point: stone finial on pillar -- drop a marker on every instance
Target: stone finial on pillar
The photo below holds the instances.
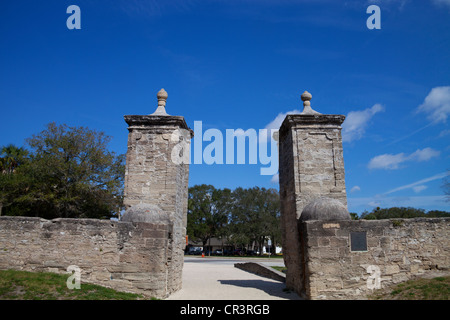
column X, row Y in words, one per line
column 311, row 166
column 162, row 97
column 156, row 185
column 306, row 98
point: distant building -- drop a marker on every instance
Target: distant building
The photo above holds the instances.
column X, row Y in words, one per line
column 219, row 246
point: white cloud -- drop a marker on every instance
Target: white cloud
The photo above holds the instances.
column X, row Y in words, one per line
column 409, row 134
column 444, row 133
column 374, row 204
column 353, row 128
column 387, row 161
column 400, row 4
column 420, row 188
column 275, row 124
column 393, row 161
column 424, row 154
column 436, row 104
column 442, row 2
column 355, row 189
column 356, row 122
column 389, row 3
column 419, row 183
column 275, row 178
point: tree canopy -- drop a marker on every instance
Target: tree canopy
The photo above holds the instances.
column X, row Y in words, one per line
column 68, row 172
column 402, row 212
column 207, row 212
column 241, row 216
column 11, row 157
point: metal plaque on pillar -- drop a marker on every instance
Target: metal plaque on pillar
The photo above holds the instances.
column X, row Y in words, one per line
column 358, row 241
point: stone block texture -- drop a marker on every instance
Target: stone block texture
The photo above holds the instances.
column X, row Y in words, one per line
column 400, row 249
column 153, row 177
column 311, row 166
column 126, row 256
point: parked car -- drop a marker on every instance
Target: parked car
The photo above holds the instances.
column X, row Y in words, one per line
column 238, row 252
column 252, row 253
column 195, row 251
column 218, row 252
column 227, row 252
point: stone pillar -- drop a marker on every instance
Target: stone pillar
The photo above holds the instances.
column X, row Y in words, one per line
column 156, row 174
column 311, row 166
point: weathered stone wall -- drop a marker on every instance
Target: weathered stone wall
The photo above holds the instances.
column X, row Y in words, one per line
column 126, row 256
column 311, row 166
column 144, row 252
column 157, row 173
column 151, row 176
column 318, row 254
column 288, row 219
column 400, row 248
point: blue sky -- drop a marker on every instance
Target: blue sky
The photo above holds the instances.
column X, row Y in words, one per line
column 244, row 64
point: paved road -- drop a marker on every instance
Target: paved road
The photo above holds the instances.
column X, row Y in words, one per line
column 213, row 278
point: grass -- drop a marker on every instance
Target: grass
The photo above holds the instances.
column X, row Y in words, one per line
column 23, row 285
column 281, row 269
column 420, row 289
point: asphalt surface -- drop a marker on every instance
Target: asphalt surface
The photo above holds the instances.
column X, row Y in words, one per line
column 215, row 278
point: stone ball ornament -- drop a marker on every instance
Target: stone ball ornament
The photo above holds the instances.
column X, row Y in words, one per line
column 144, row 212
column 325, row 209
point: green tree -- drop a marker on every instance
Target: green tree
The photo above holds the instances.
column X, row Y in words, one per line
column 223, row 204
column 242, row 216
column 207, row 212
column 401, row 212
column 354, row 216
column 70, row 173
column 256, row 216
column 11, row 157
column 437, row 214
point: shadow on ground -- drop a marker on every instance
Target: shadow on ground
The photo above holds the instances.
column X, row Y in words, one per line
column 277, row 289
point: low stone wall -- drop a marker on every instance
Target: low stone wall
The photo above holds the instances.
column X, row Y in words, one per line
column 126, row 256
column 261, row 270
column 388, row 251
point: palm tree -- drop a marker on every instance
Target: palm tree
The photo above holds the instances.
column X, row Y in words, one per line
column 11, row 157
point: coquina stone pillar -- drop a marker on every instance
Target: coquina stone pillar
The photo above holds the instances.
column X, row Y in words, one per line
column 311, row 166
column 156, row 174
